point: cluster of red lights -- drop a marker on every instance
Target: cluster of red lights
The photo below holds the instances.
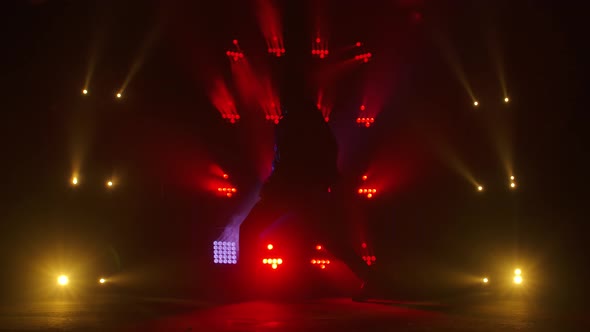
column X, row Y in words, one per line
column 321, row 53
column 322, row 263
column 318, row 49
column 273, row 262
column 235, row 55
column 369, row 259
column 228, row 191
column 273, row 117
column 368, row 192
column 276, row 51
column 364, row 57
column 366, row 121
column 276, row 47
column 231, row 117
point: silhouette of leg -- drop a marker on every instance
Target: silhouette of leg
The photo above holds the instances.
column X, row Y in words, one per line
column 331, row 215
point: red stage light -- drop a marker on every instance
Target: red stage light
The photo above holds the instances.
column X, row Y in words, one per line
column 269, row 246
column 235, row 55
column 364, row 57
column 228, row 191
column 225, row 176
column 358, row 44
column 277, row 51
column 362, row 107
column 364, row 245
column 366, row 121
column 322, row 263
column 273, row 262
column 368, row 192
column 319, row 49
column 364, row 178
column 318, row 247
column 274, row 118
column 321, row 53
column 235, row 41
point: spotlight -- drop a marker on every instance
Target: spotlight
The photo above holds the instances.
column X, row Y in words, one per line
column 119, row 95
column 512, row 185
column 225, row 252
column 84, row 92
column 269, row 246
column 318, row 247
column 518, row 272
column 225, row 176
column 479, row 188
column 110, row 184
column 506, row 100
column 485, row 280
column 512, row 178
column 518, row 280
column 75, row 181
column 476, row 103
column 63, row 280
column 102, row 280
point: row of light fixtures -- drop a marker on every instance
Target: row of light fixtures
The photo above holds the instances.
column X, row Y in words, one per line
column 75, row 182
column 118, row 95
column 512, row 184
column 506, row 101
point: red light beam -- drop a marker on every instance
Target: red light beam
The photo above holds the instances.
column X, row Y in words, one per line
column 270, row 25
column 223, row 101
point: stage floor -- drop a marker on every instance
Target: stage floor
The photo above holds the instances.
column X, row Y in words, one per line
column 126, row 313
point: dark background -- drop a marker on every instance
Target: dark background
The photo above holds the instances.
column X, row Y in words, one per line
column 163, row 137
